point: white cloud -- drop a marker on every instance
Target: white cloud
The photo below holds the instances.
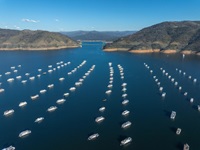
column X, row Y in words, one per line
column 30, row 20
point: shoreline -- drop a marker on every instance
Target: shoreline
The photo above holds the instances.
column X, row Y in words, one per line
column 168, row 51
column 38, row 49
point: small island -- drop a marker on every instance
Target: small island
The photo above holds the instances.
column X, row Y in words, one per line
column 34, row 40
column 167, row 37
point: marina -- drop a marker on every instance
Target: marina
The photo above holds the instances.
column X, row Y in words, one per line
column 94, row 90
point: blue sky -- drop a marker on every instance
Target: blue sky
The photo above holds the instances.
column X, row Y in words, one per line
column 101, row 15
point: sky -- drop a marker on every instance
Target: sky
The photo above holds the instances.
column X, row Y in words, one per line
column 100, row 15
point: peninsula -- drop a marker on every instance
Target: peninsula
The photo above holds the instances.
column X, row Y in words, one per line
column 34, row 40
column 166, row 37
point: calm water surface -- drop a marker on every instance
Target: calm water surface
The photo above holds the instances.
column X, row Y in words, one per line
column 69, row 126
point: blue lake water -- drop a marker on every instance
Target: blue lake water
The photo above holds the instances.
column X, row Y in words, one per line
column 70, row 125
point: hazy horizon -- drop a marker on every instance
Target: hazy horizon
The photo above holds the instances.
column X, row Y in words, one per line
column 99, row 15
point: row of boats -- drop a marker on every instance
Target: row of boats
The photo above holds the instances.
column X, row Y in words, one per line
column 125, row 101
column 25, row 133
column 124, row 113
column 22, row 104
column 173, row 113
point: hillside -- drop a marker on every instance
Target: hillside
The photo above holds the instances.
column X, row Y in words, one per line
column 97, row 35
column 167, row 37
column 33, row 40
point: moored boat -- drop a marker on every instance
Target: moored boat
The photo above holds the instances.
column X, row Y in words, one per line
column 38, row 120
column 9, row 148
column 93, row 136
column 173, row 115
column 125, row 112
column 8, row 112
column 126, row 141
column 186, row 147
column 126, row 124
column 60, row 101
column 25, row 133
column 52, row 108
column 22, row 104
column 99, row 119
column 178, row 131
column 124, row 102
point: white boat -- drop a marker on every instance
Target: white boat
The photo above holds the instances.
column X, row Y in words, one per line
column 52, row 108
column 50, row 71
column 124, row 84
column 60, row 101
column 15, row 71
column 124, row 89
column 186, row 147
column 61, row 79
column 25, row 133
column 102, row 109
column 126, row 141
column 2, row 90
column 40, row 119
column 69, row 73
column 13, row 67
column 198, row 107
column 163, row 94
column 32, row 78
column 72, row 89
column 27, row 74
column 110, row 64
column 78, row 83
column 191, row 100
column 50, row 86
column 126, row 124
column 195, row 80
column 124, row 95
column 124, row 102
column 8, row 112
column 108, row 92
column 10, row 80
column 24, row 81
column 110, row 86
column 39, row 70
column 18, row 77
column 125, row 112
column 34, row 97
column 178, row 131
column 173, row 115
column 22, row 104
column 7, row 73
column 93, row 136
column 50, row 66
column 19, row 66
column 43, row 91
column 99, row 119
column 185, row 94
column 9, row 148
column 66, row 94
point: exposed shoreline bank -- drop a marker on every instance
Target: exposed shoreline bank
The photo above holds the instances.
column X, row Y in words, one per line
column 38, row 49
column 169, row 51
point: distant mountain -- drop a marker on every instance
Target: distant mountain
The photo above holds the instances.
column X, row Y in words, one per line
column 167, row 37
column 33, row 40
column 97, row 35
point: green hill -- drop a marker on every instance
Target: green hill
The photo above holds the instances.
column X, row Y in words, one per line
column 167, row 37
column 34, row 40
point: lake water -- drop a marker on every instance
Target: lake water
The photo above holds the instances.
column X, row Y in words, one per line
column 70, row 125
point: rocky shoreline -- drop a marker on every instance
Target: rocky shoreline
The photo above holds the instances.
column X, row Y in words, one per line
column 38, row 49
column 169, row 51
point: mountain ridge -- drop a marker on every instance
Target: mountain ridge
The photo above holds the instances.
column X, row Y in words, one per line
column 97, row 35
